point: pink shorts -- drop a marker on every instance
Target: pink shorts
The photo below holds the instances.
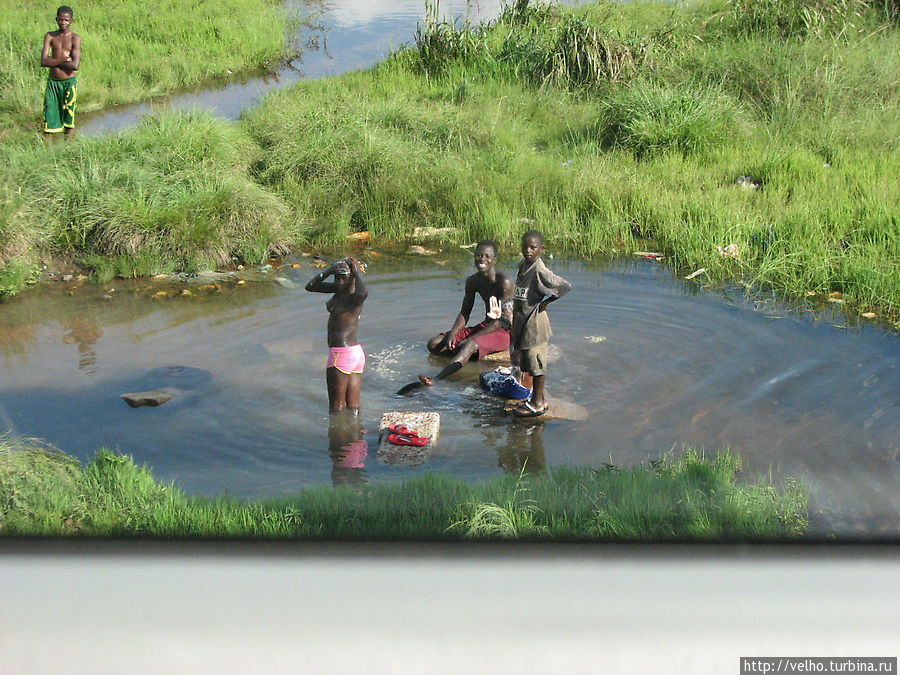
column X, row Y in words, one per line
column 490, row 343
column 348, row 360
column 352, row 455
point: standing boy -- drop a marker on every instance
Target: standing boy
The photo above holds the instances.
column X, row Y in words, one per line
column 62, row 55
column 346, row 359
column 536, row 287
column 462, row 343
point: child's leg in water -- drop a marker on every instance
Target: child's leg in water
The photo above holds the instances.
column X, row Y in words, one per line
column 354, row 384
column 338, row 386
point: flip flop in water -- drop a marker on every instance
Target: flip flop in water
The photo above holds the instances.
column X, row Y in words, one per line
column 421, row 383
column 408, row 439
column 528, row 410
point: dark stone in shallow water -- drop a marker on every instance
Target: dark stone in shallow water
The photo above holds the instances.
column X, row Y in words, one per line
column 149, row 398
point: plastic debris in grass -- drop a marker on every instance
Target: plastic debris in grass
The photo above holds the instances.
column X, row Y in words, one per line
column 729, row 251
column 650, row 255
column 696, row 273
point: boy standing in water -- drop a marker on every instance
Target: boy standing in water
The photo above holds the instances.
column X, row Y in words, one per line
column 346, row 359
column 462, row 343
column 536, row 287
column 62, row 55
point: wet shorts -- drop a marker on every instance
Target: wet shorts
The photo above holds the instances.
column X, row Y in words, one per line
column 60, row 101
column 347, row 359
column 489, row 343
column 534, row 360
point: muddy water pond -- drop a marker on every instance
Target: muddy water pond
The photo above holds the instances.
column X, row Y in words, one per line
column 657, row 363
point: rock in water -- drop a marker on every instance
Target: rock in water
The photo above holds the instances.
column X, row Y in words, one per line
column 149, row 398
column 424, row 424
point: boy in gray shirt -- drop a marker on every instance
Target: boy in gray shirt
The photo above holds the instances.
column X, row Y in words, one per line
column 536, row 287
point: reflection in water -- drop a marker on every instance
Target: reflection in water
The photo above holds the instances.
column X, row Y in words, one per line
column 16, row 339
column 524, row 450
column 83, row 331
column 348, row 449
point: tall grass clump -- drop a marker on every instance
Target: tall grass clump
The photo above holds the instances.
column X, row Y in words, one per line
column 46, row 493
column 789, row 18
column 533, row 41
column 172, row 194
column 131, row 52
column 514, row 518
column 567, row 52
column 650, row 118
column 439, row 42
column 18, row 260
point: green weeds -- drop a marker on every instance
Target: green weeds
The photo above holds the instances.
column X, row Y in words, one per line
column 175, row 193
column 46, row 493
column 649, row 119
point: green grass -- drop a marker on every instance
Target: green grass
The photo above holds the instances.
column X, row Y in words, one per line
column 175, row 193
column 132, row 51
column 46, row 493
column 602, row 158
column 604, row 126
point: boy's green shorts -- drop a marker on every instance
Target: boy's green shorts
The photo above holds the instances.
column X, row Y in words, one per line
column 534, row 359
column 59, row 105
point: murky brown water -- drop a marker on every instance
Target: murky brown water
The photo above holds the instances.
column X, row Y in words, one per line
column 657, row 364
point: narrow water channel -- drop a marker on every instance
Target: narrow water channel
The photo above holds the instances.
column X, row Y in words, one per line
column 655, row 362
column 347, row 35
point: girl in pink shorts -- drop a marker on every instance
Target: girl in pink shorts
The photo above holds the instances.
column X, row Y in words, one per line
column 346, row 359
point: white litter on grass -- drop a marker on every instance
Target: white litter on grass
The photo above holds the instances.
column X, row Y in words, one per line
column 696, row 274
column 729, row 251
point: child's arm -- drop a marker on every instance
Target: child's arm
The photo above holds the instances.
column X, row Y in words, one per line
column 462, row 318
column 318, row 284
column 500, row 314
column 557, row 286
column 361, row 292
column 74, row 56
column 47, row 60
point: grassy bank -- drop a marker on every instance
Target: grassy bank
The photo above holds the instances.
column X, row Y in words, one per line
column 614, row 124
column 45, row 493
column 175, row 193
column 768, row 126
column 132, row 52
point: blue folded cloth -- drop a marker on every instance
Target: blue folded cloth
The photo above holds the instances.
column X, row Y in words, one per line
column 503, row 385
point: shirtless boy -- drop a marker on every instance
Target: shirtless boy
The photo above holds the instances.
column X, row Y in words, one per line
column 346, row 359
column 62, row 55
column 488, row 337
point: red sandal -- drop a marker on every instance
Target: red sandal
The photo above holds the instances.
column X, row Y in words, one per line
column 409, row 439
